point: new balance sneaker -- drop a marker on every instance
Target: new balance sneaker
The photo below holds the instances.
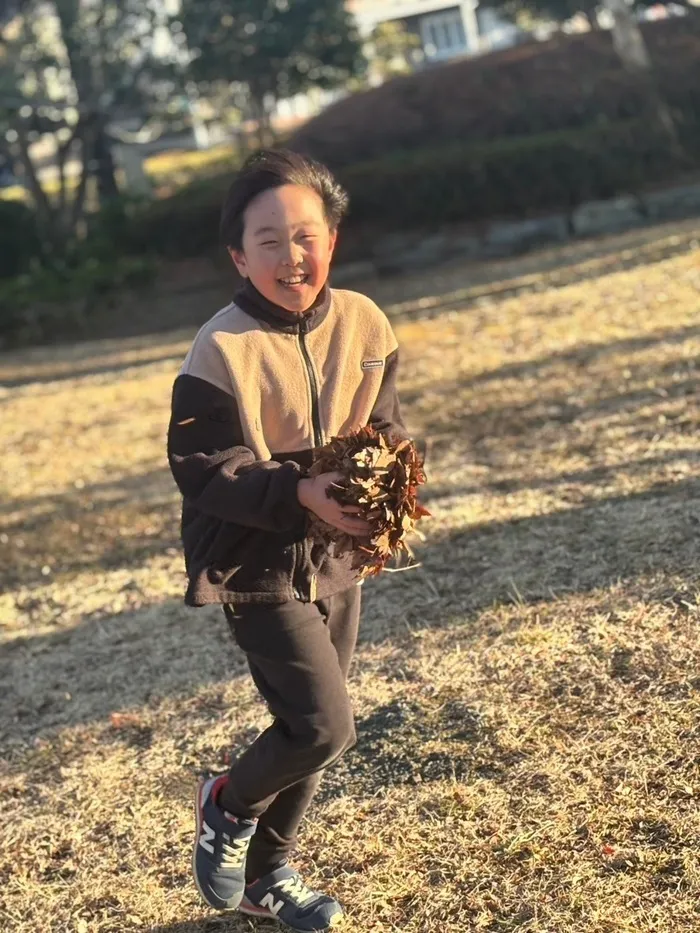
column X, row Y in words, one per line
column 283, row 896
column 220, row 848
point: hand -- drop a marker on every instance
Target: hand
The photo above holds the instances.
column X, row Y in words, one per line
column 313, row 495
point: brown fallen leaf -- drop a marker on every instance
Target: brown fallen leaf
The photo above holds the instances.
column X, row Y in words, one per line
column 381, row 478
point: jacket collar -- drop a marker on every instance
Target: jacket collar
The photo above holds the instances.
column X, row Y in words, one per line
column 262, row 309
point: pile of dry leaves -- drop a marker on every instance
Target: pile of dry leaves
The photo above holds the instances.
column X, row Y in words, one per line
column 381, row 478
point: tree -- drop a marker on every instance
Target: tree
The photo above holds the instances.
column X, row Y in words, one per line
column 553, row 11
column 271, row 49
column 690, row 7
column 390, row 48
column 630, row 46
column 69, row 70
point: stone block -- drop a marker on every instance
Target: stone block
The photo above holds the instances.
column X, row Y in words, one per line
column 683, row 201
column 511, row 237
column 597, row 217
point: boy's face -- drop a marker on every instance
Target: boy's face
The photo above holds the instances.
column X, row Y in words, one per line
column 287, row 246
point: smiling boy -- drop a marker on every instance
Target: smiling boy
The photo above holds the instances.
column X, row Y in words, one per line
column 287, row 365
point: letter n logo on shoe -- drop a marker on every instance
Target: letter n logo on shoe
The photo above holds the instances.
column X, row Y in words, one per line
column 272, row 905
column 207, row 837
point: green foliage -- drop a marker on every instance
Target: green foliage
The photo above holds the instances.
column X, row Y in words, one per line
column 181, row 226
column 275, row 48
column 19, row 239
column 507, row 178
column 391, row 45
column 70, row 71
column 63, row 300
column 552, row 11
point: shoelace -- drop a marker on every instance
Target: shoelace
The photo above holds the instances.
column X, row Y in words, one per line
column 297, row 890
column 233, row 853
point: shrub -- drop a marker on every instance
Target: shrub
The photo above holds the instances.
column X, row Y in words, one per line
column 19, row 242
column 567, row 83
column 181, row 226
column 63, row 300
column 506, row 178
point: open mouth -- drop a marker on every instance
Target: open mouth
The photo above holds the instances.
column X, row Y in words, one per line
column 294, row 281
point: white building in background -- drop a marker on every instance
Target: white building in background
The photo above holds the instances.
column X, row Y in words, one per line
column 446, row 29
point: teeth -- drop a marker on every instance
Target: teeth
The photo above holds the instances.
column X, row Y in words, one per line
column 296, row 280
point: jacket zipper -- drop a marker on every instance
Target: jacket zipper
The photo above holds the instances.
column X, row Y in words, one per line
column 315, row 414
column 318, row 441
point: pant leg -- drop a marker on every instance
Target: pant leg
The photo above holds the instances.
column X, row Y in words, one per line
column 298, row 671
column 276, row 836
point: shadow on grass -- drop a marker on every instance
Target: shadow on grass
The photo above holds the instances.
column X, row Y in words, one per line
column 574, row 263
column 115, row 661
column 84, row 369
column 581, row 356
column 101, row 526
column 230, row 923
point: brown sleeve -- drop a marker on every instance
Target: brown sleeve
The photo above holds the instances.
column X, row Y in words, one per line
column 216, row 472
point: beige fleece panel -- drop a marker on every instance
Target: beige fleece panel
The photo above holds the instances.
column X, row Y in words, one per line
column 204, row 359
column 355, row 331
column 266, row 372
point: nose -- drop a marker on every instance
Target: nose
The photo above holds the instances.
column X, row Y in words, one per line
column 293, row 253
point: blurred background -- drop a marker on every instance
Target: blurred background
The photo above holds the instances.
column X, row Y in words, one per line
column 470, row 130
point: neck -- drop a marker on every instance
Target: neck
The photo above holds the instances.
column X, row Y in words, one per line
column 254, row 302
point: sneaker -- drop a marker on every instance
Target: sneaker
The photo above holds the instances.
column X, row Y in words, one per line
column 283, row 896
column 220, row 848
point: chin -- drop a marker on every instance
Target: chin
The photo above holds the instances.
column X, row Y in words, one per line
column 297, row 301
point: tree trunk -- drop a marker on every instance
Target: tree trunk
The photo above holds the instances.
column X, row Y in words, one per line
column 630, row 46
column 86, row 149
column 42, row 205
column 105, row 169
column 262, row 116
column 591, row 14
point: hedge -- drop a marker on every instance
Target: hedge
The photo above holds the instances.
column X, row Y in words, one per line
column 460, row 183
column 508, row 178
column 182, row 226
column 568, row 82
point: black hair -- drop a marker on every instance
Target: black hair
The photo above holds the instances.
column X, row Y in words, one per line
column 272, row 168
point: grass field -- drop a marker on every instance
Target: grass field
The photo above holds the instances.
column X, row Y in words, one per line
column 528, row 701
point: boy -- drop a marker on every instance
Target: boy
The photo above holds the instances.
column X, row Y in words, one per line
column 285, row 367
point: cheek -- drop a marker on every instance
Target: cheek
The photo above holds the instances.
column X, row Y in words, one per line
column 320, row 256
column 263, row 264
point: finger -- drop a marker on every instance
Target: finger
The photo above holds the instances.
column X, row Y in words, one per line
column 356, row 528
column 350, row 509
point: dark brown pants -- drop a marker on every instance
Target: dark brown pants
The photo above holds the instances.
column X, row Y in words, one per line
column 299, row 655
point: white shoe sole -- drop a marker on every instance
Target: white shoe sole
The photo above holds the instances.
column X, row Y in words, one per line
column 251, row 910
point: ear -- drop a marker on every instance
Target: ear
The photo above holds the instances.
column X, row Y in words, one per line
column 239, row 261
column 333, row 241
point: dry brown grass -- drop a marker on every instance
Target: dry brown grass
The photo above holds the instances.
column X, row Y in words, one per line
column 527, row 702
